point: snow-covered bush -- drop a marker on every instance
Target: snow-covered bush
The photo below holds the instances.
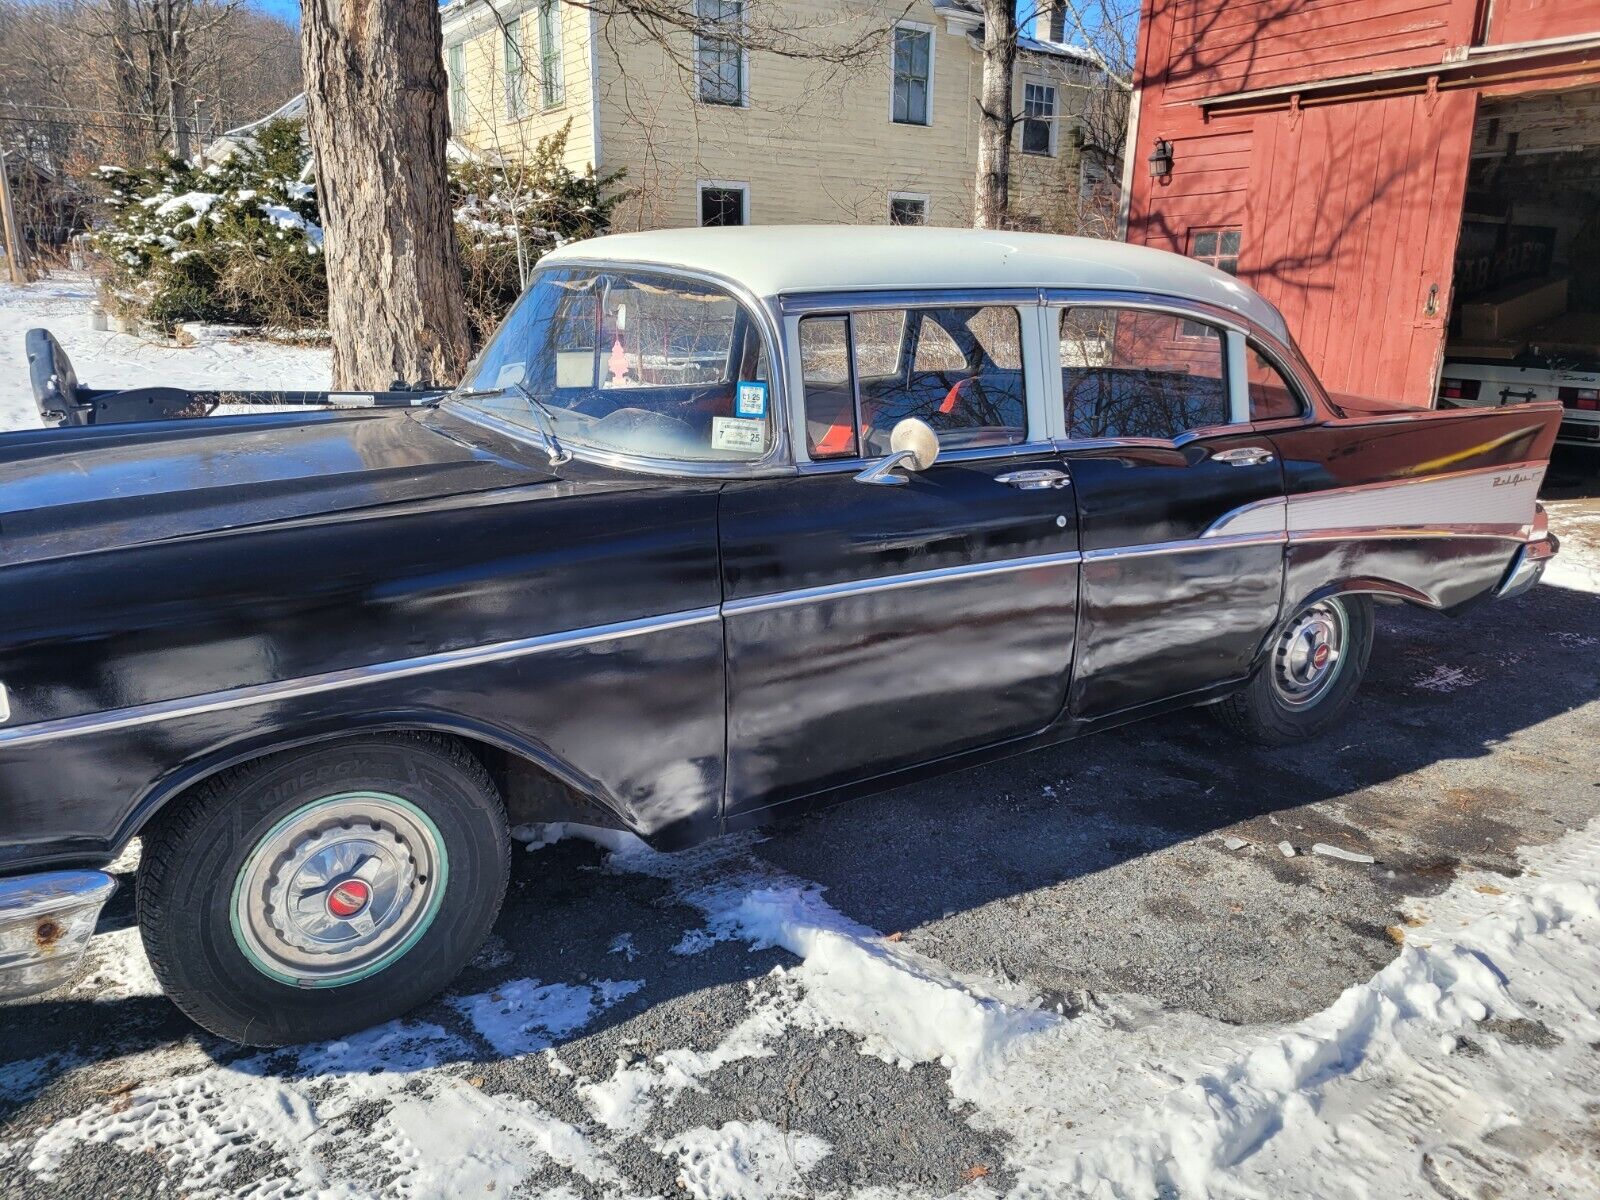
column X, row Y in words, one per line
column 237, row 241
column 241, row 241
column 543, row 199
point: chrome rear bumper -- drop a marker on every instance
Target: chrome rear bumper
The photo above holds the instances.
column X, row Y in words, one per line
column 45, row 923
column 1527, row 566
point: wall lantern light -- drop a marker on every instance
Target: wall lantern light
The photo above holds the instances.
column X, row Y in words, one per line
column 1161, row 159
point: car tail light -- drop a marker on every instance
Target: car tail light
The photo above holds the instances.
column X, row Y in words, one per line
column 1459, row 389
column 1584, row 398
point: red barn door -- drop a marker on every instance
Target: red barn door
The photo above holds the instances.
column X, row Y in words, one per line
column 1351, row 220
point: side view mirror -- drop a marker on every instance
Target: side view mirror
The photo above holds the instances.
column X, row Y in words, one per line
column 913, row 446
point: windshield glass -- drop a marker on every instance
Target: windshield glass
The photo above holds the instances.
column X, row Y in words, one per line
column 630, row 362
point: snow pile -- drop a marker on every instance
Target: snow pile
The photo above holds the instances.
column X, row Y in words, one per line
column 1127, row 1101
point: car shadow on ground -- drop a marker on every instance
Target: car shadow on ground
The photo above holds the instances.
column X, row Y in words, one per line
column 1042, row 866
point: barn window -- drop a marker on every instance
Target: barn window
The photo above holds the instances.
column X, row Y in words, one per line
column 1217, row 248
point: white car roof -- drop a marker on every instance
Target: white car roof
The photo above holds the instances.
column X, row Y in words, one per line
column 779, row 260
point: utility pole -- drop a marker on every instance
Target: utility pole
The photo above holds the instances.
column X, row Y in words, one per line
column 14, row 260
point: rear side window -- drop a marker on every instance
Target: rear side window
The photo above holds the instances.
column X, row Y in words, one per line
column 1128, row 373
column 958, row 369
column 1272, row 396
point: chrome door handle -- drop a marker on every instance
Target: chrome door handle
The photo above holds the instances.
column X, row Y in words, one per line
column 1034, row 481
column 1244, row 456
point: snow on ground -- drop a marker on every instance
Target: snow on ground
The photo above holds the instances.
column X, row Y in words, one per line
column 61, row 305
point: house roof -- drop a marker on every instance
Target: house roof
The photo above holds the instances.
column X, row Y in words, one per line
column 777, row 260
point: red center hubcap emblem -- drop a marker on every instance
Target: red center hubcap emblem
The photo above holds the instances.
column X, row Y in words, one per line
column 1319, row 657
column 349, row 898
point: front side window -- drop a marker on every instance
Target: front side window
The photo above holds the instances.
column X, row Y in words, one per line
column 515, row 72
column 1128, row 373
column 959, row 369
column 630, row 362
column 552, row 83
column 722, row 204
column 1038, row 118
column 456, row 66
column 1272, row 396
column 913, row 75
column 719, row 58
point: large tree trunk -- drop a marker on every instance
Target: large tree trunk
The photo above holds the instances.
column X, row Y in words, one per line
column 376, row 116
column 178, row 94
column 993, row 195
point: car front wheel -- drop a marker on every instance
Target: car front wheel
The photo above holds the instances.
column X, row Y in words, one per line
column 1309, row 677
column 316, row 892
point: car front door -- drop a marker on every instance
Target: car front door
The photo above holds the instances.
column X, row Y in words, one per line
column 873, row 626
column 1160, row 450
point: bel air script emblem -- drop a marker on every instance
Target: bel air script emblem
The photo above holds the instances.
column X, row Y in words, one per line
column 1515, row 478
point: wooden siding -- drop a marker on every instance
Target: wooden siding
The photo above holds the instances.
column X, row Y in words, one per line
column 1207, row 47
column 1534, row 20
column 1207, row 190
column 1352, row 221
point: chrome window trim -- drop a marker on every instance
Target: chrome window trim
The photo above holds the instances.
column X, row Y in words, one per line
column 887, row 583
column 310, row 685
column 811, row 304
column 777, row 460
column 830, row 466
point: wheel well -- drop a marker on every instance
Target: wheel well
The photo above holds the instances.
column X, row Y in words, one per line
column 531, row 792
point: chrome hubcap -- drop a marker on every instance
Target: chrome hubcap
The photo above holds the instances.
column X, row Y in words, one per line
column 1309, row 654
column 339, row 889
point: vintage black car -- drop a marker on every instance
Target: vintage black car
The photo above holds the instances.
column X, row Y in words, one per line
column 721, row 521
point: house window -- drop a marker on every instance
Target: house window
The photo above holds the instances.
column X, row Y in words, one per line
column 456, row 66
column 724, row 203
column 552, row 84
column 516, row 75
column 913, row 75
column 719, row 60
column 1217, row 248
column 1038, row 118
column 908, row 208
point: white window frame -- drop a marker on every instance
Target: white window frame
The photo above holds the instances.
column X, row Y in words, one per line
column 1053, row 124
column 921, row 197
column 730, row 185
column 933, row 44
column 455, row 65
column 515, row 87
column 552, row 83
column 744, row 67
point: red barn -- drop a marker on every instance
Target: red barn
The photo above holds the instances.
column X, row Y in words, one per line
column 1372, row 166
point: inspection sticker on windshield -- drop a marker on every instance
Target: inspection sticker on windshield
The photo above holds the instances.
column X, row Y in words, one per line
column 751, row 399
column 734, row 433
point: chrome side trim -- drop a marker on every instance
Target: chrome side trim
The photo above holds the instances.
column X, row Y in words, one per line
column 311, row 685
column 888, row 583
column 1185, row 546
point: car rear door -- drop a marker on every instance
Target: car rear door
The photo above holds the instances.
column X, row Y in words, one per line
column 876, row 626
column 1160, row 451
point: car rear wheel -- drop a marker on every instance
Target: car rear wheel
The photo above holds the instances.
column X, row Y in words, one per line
column 313, row 893
column 1310, row 675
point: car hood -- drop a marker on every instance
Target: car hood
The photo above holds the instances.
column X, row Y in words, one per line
column 73, row 491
